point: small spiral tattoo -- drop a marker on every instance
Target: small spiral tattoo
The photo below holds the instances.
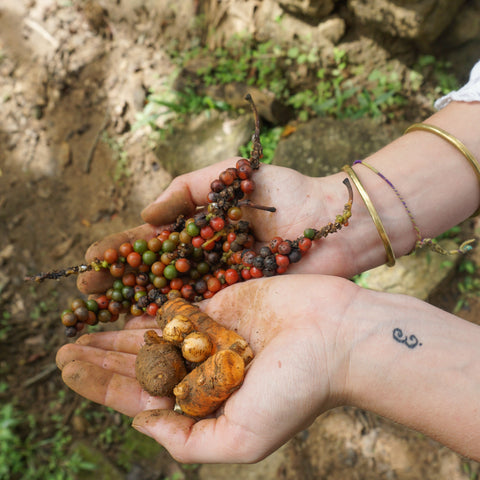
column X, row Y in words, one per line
column 411, row 341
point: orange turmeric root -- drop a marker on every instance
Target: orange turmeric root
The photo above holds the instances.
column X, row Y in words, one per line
column 206, row 387
column 221, row 337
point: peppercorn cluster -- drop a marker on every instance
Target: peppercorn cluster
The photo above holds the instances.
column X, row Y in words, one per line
column 194, row 258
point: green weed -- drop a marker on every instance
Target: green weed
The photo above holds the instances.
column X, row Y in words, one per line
column 26, row 452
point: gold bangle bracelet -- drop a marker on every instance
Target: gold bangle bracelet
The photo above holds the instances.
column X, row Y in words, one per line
column 373, row 213
column 453, row 141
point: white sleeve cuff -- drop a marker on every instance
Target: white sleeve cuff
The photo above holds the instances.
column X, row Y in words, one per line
column 470, row 92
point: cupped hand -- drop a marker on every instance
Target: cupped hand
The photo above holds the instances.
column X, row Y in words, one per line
column 292, row 324
column 301, row 202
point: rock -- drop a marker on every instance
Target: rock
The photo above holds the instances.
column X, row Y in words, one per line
column 323, row 145
column 465, row 26
column 103, row 467
column 206, row 139
column 422, row 21
column 290, row 29
column 416, row 275
column 266, row 469
column 308, row 9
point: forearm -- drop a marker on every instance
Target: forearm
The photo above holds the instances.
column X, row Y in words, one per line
column 435, row 180
column 416, row 365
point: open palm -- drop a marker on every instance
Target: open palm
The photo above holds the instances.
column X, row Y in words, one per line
column 283, row 392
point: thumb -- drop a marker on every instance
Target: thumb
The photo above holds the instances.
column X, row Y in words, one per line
column 175, row 201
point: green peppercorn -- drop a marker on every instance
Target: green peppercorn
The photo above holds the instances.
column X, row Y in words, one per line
column 309, row 233
column 92, row 305
column 117, row 296
column 170, row 272
column 140, row 246
column 192, row 229
column 168, row 246
column 149, row 257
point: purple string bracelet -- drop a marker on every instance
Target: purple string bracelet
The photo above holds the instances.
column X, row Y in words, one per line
column 421, row 241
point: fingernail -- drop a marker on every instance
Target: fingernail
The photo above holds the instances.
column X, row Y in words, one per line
column 141, row 428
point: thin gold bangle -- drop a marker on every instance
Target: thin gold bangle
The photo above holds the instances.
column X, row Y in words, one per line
column 453, row 141
column 373, row 213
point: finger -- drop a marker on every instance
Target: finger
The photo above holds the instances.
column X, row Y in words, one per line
column 99, row 282
column 144, row 231
column 184, row 194
column 143, row 321
column 119, row 392
column 213, row 440
column 117, row 362
column 120, row 341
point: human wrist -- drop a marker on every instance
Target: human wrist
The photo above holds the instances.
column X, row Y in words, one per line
column 415, row 364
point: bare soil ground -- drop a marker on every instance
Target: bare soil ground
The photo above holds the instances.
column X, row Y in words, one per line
column 68, row 93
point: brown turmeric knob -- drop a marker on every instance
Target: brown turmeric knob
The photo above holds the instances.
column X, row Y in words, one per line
column 159, row 366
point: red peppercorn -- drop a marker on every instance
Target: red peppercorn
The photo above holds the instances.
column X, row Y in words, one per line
column 182, row 265
column 163, row 235
column 117, row 269
column 256, row 272
column 274, row 243
column 125, row 248
column 110, row 255
column 144, row 268
column 115, row 307
column 92, row 318
column 207, row 232
column 152, row 309
column 245, row 273
column 231, row 237
column 284, row 248
column 281, row 270
column 102, row 302
column 134, row 259
column 208, row 294
column 197, row 241
column 208, row 246
column 214, row 284
column 228, row 176
column 157, row 268
column 217, row 186
column 176, row 283
column 304, row 244
column 226, row 246
column 217, row 223
column 237, row 257
column 129, row 279
column 231, row 276
column 282, row 260
column 188, row 292
column 244, row 171
column 250, row 241
column 247, row 186
column 241, row 162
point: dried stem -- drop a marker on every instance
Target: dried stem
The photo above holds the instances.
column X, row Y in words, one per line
column 257, row 150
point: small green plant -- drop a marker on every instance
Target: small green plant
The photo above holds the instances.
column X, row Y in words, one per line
column 469, row 286
column 270, row 138
column 438, row 72
column 25, row 451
